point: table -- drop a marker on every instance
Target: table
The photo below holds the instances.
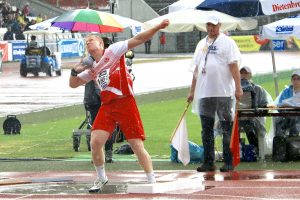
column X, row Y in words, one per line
column 267, row 112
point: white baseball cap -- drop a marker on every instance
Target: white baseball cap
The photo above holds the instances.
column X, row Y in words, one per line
column 247, row 69
column 297, row 72
column 213, row 19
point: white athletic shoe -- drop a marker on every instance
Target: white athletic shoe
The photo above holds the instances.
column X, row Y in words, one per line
column 98, row 185
column 151, row 181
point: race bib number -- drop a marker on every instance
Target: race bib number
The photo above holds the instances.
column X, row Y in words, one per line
column 103, row 79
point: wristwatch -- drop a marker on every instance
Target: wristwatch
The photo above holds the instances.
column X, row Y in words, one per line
column 74, row 72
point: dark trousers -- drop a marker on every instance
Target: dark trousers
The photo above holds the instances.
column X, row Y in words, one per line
column 147, row 47
column 208, row 139
column 251, row 131
column 93, row 109
column 208, row 108
column 284, row 124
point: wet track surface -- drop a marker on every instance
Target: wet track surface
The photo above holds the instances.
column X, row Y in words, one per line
column 248, row 184
column 23, row 95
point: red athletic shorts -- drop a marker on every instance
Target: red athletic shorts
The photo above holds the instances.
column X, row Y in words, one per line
column 123, row 111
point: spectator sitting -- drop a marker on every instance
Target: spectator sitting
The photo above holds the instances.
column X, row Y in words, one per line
column 32, row 22
column 33, row 43
column 19, row 35
column 288, row 124
column 39, row 18
column 9, row 35
column 20, row 18
column 258, row 98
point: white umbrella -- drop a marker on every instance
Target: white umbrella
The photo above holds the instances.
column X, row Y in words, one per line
column 44, row 25
column 188, row 20
column 282, row 29
column 135, row 26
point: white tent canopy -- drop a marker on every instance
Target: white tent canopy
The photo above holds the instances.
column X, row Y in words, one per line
column 46, row 24
column 188, row 20
column 282, row 29
column 183, row 5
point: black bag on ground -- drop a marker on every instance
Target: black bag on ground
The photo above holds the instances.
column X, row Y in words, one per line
column 293, row 148
column 286, row 148
column 11, row 125
column 124, row 149
column 249, row 153
column 279, row 149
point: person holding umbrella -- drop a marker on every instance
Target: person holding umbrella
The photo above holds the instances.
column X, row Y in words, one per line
column 216, row 80
column 118, row 104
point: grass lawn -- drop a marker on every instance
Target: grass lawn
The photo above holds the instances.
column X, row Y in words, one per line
column 48, row 134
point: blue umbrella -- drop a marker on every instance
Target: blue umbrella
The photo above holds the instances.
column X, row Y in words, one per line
column 237, row 8
column 250, row 8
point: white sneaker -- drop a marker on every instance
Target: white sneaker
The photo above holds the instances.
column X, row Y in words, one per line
column 151, row 181
column 98, row 185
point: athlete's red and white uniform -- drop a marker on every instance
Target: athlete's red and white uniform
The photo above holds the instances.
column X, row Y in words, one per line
column 115, row 83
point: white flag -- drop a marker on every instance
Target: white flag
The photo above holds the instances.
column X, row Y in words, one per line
column 180, row 142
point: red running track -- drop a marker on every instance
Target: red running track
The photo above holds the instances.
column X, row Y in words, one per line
column 251, row 184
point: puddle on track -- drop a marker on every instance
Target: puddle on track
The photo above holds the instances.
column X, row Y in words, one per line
column 60, row 188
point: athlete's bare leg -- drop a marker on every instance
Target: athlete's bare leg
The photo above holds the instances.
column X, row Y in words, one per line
column 143, row 156
column 98, row 140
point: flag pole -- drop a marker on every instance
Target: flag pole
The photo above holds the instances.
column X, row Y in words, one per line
column 235, row 139
column 183, row 114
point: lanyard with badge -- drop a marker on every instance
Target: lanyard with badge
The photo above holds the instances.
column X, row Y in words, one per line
column 208, row 51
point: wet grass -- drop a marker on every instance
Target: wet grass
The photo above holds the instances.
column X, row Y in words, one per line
column 48, row 134
column 41, row 166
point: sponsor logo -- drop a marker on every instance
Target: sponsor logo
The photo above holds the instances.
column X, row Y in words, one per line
column 291, row 6
column 284, row 29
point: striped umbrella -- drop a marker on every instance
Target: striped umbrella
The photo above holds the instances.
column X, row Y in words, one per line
column 88, row 20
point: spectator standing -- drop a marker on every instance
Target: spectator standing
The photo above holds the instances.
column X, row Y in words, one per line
column 26, row 10
column 216, row 80
column 148, row 46
column 162, row 40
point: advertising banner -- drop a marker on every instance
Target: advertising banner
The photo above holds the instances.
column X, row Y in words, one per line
column 18, row 49
column 71, row 47
column 271, row 7
column 248, row 43
column 279, row 45
column 4, row 50
column 294, row 42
